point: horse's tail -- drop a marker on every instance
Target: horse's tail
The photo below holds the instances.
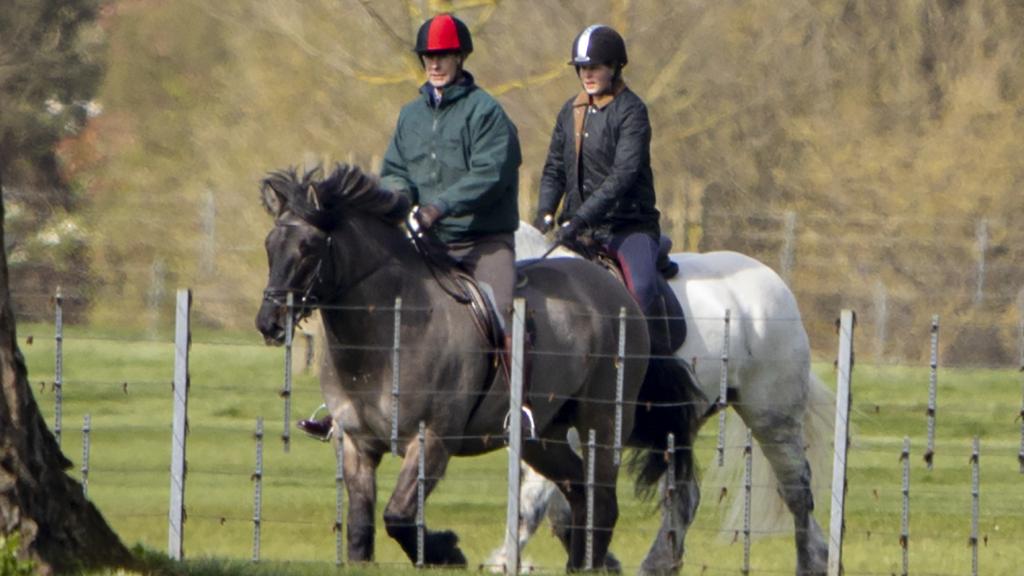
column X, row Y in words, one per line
column 669, row 402
column 768, row 512
column 819, row 426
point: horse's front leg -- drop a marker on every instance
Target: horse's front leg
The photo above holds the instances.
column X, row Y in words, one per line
column 400, row 514
column 360, row 470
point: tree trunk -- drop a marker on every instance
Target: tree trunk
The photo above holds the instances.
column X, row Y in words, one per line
column 58, row 527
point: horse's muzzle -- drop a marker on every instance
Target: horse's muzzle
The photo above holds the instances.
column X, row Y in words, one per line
column 270, row 323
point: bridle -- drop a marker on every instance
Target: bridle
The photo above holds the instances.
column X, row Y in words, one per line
column 308, row 297
column 315, row 294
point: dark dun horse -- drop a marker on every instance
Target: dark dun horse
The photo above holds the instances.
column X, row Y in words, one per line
column 337, row 244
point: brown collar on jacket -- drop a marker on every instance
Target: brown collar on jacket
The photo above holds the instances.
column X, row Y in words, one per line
column 584, row 100
column 601, row 100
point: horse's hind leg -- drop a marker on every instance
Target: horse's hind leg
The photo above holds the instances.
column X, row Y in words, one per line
column 537, row 497
column 560, row 516
column 678, row 512
column 781, row 440
column 439, row 548
column 361, row 483
column 561, row 465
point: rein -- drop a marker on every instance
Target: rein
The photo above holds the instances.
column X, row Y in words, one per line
column 437, row 268
column 543, row 256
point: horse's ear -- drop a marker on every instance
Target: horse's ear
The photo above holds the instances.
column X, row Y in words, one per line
column 311, row 196
column 274, row 201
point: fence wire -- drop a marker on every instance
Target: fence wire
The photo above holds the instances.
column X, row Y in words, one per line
column 875, row 485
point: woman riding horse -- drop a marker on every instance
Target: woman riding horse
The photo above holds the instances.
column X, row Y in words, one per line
column 599, row 168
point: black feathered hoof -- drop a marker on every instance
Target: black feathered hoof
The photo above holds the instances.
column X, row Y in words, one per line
column 441, row 549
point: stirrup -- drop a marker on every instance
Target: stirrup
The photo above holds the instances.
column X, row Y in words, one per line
column 532, row 425
column 315, row 419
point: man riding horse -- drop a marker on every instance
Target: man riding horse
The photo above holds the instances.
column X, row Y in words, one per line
column 455, row 155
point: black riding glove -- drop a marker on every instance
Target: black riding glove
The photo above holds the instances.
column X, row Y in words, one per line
column 427, row 215
column 543, row 222
column 569, row 233
column 400, row 208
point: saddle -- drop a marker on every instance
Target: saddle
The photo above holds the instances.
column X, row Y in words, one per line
column 458, row 283
column 665, row 338
column 481, row 303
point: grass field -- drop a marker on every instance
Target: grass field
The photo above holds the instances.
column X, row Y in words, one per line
column 124, row 383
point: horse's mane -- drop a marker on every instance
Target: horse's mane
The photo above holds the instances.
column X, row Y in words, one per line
column 321, row 202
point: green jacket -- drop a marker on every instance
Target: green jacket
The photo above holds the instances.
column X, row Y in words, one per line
column 461, row 155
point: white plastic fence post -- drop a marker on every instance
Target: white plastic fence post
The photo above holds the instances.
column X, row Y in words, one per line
column 58, row 377
column 179, row 432
column 975, row 502
column 982, row 237
column 723, row 390
column 670, row 490
column 788, row 246
column 86, row 428
column 257, row 494
column 933, row 386
column 421, row 495
column 339, row 497
column 881, row 301
column 905, row 520
column 1020, row 453
column 620, row 376
column 841, row 441
column 588, row 558
column 396, row 374
column 748, row 475
column 515, row 437
column 286, row 392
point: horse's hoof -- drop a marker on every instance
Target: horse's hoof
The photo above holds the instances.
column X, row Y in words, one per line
column 612, row 564
column 441, row 549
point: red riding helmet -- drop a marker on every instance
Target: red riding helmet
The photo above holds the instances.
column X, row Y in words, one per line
column 443, row 33
column 598, row 44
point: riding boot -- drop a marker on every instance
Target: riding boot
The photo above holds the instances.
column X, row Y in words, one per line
column 661, row 349
column 529, row 426
column 658, row 328
column 666, row 267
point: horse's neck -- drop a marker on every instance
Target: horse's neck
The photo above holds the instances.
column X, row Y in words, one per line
column 385, row 266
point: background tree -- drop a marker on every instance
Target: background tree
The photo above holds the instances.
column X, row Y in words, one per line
column 861, row 147
column 49, row 70
column 47, row 76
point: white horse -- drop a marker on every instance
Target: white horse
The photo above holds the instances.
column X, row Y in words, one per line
column 771, row 387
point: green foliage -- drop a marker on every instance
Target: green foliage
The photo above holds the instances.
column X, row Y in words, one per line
column 50, row 68
column 48, row 72
column 10, row 564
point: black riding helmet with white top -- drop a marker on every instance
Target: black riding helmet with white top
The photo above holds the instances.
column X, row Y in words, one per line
column 599, row 44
